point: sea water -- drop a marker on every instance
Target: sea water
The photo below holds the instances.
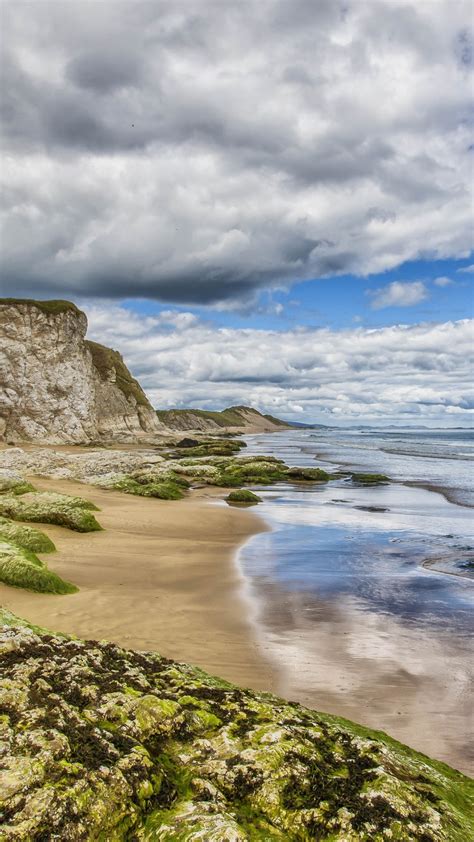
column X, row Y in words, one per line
column 356, row 592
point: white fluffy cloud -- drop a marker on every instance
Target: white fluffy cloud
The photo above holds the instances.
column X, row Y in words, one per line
column 416, row 373
column 443, row 282
column 398, row 294
column 198, row 151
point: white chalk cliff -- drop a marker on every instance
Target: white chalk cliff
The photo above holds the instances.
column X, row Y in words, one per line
column 57, row 387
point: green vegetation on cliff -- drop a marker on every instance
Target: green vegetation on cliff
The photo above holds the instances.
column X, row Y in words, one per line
column 107, row 744
column 51, row 307
column 233, row 416
column 106, row 360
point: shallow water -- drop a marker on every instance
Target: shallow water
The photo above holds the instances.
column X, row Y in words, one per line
column 441, row 458
column 344, row 607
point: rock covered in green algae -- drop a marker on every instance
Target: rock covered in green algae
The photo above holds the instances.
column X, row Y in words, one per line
column 21, row 568
column 25, row 536
column 162, row 486
column 370, row 479
column 104, row 743
column 47, row 507
column 11, row 483
column 243, row 495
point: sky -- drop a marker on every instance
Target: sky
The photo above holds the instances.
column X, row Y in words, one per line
column 266, row 203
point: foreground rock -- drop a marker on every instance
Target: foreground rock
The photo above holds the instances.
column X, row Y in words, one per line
column 58, row 387
column 104, row 743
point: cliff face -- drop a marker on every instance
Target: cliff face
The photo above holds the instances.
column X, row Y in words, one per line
column 56, row 387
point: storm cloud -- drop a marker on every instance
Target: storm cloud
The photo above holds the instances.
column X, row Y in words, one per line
column 198, row 151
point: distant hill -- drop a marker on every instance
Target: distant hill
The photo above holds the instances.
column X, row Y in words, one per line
column 234, row 419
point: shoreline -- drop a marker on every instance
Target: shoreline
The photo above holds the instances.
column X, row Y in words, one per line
column 161, row 576
column 449, row 494
column 430, row 564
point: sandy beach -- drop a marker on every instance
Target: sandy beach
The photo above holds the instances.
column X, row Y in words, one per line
column 159, row 577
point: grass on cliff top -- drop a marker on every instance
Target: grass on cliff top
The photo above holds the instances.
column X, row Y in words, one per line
column 52, row 307
column 21, row 568
column 105, row 360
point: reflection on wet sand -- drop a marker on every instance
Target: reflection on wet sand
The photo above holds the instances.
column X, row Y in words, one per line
column 353, row 621
column 371, row 667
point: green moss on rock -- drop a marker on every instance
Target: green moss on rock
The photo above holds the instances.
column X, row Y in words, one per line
column 121, row 745
column 161, row 490
column 213, row 447
column 25, row 536
column 370, row 479
column 45, row 507
column 308, row 474
column 243, row 495
column 11, row 484
column 21, row 568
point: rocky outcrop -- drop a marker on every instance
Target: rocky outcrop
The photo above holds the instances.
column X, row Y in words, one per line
column 235, row 419
column 104, row 743
column 56, row 387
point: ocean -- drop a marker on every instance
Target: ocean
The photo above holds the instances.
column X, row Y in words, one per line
column 362, row 597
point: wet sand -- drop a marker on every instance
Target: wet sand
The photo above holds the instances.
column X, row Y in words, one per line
column 159, row 577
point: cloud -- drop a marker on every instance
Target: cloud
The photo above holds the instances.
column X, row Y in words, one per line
column 417, row 373
column 443, row 282
column 469, row 269
column 198, row 152
column 398, row 294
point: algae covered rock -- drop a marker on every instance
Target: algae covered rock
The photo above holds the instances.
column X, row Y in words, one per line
column 370, row 479
column 25, row 536
column 243, row 496
column 21, row 568
column 105, row 743
column 13, row 484
column 161, row 489
column 308, row 474
column 45, row 507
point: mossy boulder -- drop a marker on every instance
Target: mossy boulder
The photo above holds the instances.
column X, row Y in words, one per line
column 25, row 536
column 46, row 507
column 243, row 497
column 13, row 484
column 308, row 474
column 103, row 743
column 21, row 568
column 213, row 447
column 370, row 479
column 160, row 489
